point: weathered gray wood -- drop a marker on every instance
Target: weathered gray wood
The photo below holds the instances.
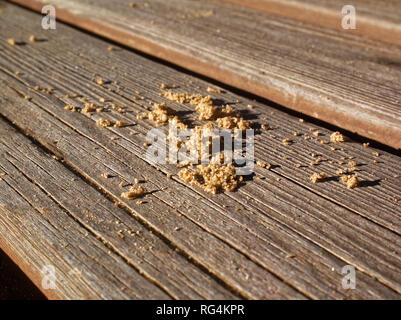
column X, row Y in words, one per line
column 165, row 217
column 376, row 19
column 37, row 233
column 271, row 227
column 141, row 249
column 338, row 77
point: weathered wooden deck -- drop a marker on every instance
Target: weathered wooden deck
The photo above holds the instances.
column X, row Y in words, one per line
column 277, row 237
column 336, row 76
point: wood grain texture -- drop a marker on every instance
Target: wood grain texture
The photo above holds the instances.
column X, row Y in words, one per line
column 376, row 19
column 276, row 234
column 139, row 248
column 38, row 233
column 84, row 213
column 338, row 77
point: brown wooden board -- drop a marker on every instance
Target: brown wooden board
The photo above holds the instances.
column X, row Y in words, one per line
column 40, row 235
column 278, row 236
column 49, row 214
column 338, row 77
column 376, row 19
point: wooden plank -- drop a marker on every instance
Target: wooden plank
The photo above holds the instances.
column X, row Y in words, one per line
column 216, row 253
column 140, row 249
column 375, row 19
column 341, row 78
column 37, row 233
column 298, row 231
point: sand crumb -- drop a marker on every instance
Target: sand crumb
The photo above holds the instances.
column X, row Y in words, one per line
column 350, row 180
column 103, row 123
column 212, row 178
column 205, row 107
column 264, row 127
column 133, row 192
column 233, row 123
column 263, row 164
column 119, row 124
column 340, row 172
column 183, row 97
column 208, row 111
column 317, row 177
column 352, row 164
column 88, row 108
column 337, row 137
column 161, row 114
column 213, row 90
